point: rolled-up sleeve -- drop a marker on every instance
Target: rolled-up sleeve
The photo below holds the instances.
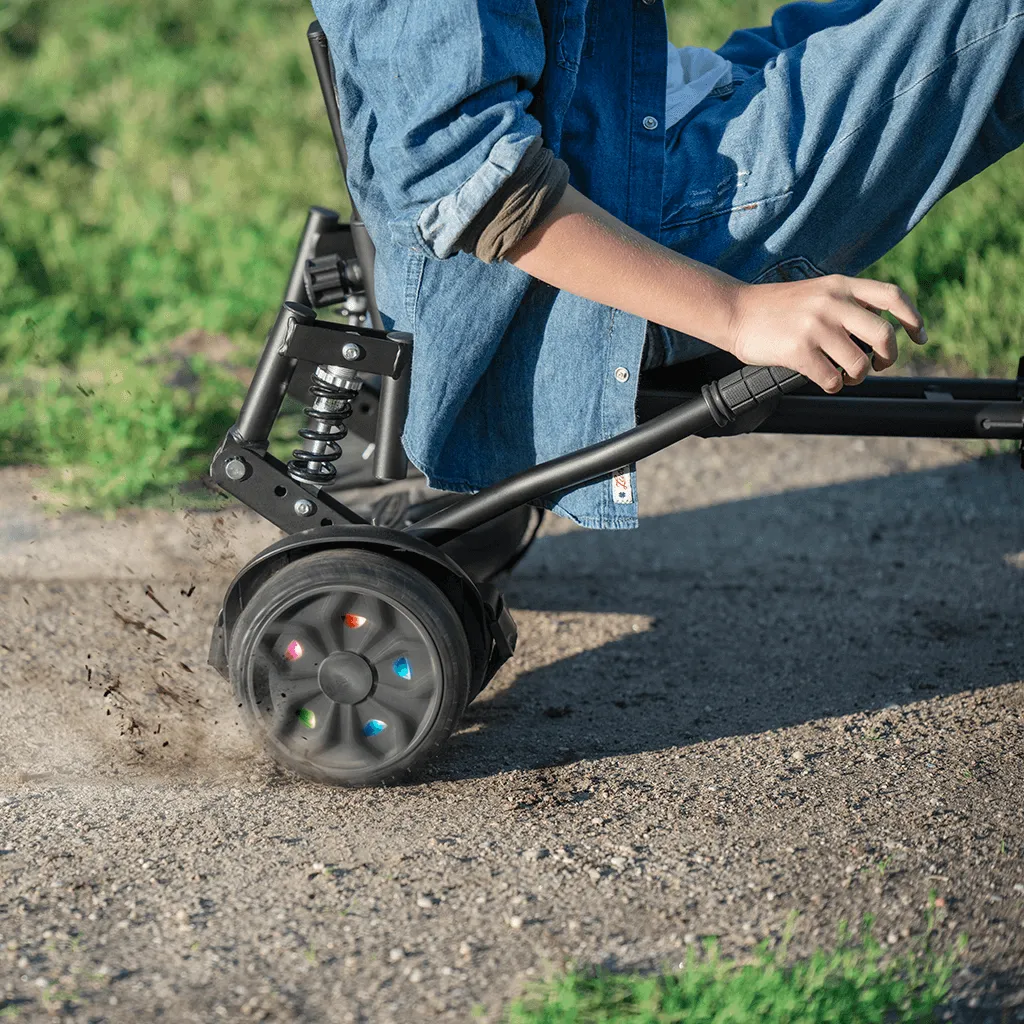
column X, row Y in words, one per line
column 434, row 95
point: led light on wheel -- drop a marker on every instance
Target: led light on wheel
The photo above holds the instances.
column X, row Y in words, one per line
column 374, row 727
column 307, row 718
column 355, row 621
column 402, row 668
column 293, row 651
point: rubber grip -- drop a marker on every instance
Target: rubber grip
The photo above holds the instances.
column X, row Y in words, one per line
column 747, row 388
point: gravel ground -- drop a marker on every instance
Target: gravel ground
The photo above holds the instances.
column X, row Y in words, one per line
column 798, row 688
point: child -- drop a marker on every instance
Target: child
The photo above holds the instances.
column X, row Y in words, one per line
column 557, row 205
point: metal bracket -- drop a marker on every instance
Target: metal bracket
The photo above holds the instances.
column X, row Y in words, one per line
column 257, row 479
column 360, row 348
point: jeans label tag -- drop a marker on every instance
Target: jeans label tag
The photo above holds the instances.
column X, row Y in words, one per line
column 622, row 488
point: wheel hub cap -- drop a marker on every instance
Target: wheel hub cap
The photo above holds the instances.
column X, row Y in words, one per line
column 345, row 677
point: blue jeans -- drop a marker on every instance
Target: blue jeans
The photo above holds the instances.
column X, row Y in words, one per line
column 847, row 122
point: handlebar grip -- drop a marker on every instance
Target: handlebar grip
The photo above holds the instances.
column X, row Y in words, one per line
column 747, row 388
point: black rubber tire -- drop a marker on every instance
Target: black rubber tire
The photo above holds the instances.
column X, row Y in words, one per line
column 376, row 578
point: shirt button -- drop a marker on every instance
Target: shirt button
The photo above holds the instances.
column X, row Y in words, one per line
column 621, row 374
column 650, row 123
column 649, row 2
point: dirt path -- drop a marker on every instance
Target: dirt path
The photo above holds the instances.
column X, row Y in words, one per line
column 759, row 703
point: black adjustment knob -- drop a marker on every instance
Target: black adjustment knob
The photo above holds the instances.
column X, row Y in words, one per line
column 330, row 279
column 324, row 277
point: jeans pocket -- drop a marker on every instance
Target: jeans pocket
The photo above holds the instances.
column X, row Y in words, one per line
column 793, row 268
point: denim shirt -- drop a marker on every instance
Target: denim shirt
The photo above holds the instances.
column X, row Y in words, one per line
column 439, row 101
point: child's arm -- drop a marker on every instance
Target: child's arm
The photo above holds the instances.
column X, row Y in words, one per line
column 435, row 96
column 803, row 325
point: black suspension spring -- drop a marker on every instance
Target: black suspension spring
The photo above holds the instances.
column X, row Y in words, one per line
column 333, row 388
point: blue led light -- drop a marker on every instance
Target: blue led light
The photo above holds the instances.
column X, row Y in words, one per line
column 374, row 727
column 402, row 668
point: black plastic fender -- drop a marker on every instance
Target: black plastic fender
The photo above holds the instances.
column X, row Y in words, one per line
column 489, row 626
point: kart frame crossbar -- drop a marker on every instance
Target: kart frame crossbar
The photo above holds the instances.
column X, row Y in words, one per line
column 896, row 406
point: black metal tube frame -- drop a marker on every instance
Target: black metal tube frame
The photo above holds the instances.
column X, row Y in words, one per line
column 270, row 382
column 880, row 406
column 885, row 407
column 945, row 408
column 389, row 461
column 244, row 467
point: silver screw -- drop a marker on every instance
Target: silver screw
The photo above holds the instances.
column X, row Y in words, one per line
column 235, row 468
column 351, row 352
column 304, row 507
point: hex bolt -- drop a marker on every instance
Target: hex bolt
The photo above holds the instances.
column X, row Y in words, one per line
column 351, row 352
column 236, row 468
column 304, row 507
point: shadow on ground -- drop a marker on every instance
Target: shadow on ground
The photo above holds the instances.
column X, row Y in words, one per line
column 759, row 614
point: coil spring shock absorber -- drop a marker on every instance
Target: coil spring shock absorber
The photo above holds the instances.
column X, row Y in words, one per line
column 334, row 388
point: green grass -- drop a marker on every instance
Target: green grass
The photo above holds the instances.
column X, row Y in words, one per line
column 854, row 984
column 102, row 456
column 155, row 168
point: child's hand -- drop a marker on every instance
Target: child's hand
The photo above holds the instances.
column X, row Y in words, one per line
column 807, row 326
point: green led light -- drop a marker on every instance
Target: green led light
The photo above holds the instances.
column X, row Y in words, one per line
column 307, row 718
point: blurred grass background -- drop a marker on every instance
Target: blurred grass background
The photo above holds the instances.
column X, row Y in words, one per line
column 156, row 163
